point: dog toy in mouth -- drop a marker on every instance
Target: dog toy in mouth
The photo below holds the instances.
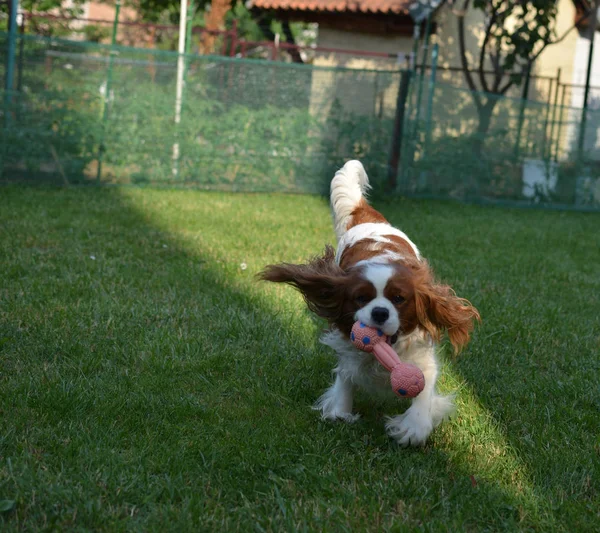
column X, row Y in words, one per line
column 407, row 380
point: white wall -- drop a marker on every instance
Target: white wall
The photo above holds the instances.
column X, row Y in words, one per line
column 579, row 72
column 356, row 91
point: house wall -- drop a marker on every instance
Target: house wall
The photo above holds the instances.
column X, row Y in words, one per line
column 591, row 144
column 359, row 92
column 446, row 36
column 560, row 56
column 125, row 35
column 570, row 55
column 331, row 37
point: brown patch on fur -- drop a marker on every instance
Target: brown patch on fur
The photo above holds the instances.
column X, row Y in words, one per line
column 363, row 249
column 363, row 213
column 401, row 246
column 369, row 248
column 336, row 293
column 431, row 305
column 358, row 294
column 329, row 291
column 402, row 285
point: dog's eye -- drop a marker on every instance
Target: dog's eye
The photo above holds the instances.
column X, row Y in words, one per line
column 361, row 300
column 396, row 300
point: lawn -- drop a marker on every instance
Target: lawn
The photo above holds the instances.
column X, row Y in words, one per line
column 148, row 382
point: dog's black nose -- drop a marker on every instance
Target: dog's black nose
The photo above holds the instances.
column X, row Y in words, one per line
column 380, row 314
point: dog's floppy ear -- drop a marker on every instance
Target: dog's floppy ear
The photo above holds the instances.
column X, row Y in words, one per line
column 438, row 308
column 321, row 281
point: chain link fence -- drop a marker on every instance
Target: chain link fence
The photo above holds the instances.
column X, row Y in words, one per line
column 83, row 114
column 492, row 149
column 89, row 113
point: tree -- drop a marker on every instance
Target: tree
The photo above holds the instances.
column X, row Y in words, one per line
column 515, row 33
column 219, row 15
column 214, row 19
column 41, row 26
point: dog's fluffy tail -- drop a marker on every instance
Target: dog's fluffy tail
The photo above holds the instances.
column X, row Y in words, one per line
column 348, row 187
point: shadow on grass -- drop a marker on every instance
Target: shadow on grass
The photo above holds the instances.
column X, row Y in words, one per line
column 533, row 364
column 148, row 382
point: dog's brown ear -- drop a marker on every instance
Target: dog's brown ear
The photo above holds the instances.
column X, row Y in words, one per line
column 438, row 309
column 321, row 281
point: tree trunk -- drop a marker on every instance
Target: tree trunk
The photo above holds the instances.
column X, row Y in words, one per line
column 485, row 112
column 289, row 38
column 214, row 20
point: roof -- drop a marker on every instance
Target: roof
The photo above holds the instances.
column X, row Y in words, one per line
column 399, row 7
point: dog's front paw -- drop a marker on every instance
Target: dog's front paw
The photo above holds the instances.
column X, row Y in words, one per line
column 411, row 428
column 339, row 415
column 334, row 410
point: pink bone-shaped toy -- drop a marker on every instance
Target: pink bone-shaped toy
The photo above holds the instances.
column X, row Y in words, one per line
column 407, row 380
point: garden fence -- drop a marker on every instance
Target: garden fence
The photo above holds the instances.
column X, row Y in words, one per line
column 90, row 113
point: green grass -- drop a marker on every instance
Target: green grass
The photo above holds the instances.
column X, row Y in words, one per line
column 148, row 383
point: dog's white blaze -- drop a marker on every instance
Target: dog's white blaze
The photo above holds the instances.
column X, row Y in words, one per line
column 378, row 274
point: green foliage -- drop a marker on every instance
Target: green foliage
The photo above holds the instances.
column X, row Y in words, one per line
column 450, row 166
column 6, row 505
column 519, row 29
column 50, row 126
column 47, row 27
column 352, row 135
column 257, row 126
column 222, row 144
column 96, row 33
column 167, row 12
column 54, row 126
column 246, row 23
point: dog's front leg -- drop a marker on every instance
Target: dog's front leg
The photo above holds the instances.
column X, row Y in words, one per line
column 428, row 409
column 336, row 403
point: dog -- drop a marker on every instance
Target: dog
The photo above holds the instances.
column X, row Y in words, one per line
column 378, row 276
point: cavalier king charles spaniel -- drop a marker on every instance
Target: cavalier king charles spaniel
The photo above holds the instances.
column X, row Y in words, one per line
column 379, row 277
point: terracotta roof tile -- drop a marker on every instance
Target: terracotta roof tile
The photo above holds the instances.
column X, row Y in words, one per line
column 355, row 6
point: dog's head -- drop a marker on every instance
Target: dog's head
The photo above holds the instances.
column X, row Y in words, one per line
column 394, row 297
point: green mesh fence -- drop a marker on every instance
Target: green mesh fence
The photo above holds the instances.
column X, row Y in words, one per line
column 81, row 114
column 245, row 125
column 489, row 148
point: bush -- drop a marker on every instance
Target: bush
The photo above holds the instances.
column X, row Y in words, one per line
column 451, row 165
column 96, row 33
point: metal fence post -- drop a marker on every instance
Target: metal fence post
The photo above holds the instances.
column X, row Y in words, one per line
column 560, row 122
column 9, row 75
column 422, row 75
column 547, row 120
column 10, row 56
column 188, row 36
column 593, row 21
column 180, row 82
column 107, row 89
column 398, row 131
column 553, row 121
column 522, row 110
column 21, row 52
column 434, row 61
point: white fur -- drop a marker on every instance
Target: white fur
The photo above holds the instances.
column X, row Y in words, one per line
column 348, row 186
column 379, row 274
column 375, row 231
column 360, row 369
